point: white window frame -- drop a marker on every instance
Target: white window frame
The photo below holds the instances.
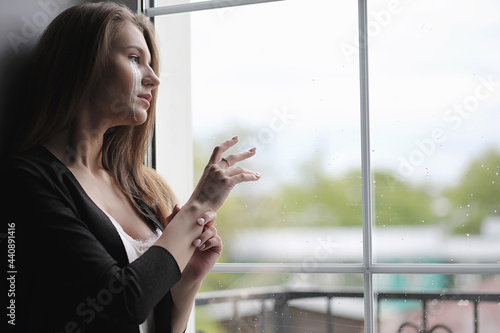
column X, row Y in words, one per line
column 368, row 267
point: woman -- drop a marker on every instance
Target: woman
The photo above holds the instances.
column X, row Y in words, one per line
column 101, row 245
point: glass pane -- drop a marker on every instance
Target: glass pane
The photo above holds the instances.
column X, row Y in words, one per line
column 274, row 75
column 162, row 3
column 435, row 93
column 438, row 303
column 219, row 8
column 289, row 303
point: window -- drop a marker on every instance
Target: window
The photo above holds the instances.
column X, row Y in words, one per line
column 381, row 192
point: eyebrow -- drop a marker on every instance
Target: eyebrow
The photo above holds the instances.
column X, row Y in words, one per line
column 138, row 48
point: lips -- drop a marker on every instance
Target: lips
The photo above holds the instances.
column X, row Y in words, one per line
column 146, row 97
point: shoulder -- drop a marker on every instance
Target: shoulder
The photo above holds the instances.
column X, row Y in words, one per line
column 35, row 172
column 37, row 161
column 36, row 155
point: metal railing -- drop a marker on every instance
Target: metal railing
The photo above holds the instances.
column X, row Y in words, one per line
column 281, row 315
column 449, row 295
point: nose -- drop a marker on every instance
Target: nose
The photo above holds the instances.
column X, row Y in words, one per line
column 150, row 80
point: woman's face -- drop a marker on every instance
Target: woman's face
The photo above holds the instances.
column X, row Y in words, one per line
column 124, row 95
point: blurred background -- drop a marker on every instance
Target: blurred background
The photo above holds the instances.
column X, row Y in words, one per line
column 284, row 77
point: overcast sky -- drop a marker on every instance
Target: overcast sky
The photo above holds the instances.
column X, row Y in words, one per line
column 288, row 72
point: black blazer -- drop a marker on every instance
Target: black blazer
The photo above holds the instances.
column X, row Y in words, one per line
column 73, row 274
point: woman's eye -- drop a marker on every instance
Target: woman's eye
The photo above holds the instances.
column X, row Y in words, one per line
column 134, row 59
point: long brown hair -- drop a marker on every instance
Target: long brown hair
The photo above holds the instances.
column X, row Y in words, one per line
column 70, row 58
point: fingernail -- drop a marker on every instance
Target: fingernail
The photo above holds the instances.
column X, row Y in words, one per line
column 202, row 247
column 197, row 242
column 258, row 175
column 252, row 149
column 201, row 221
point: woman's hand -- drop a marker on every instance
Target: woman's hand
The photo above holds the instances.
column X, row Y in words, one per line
column 208, row 248
column 220, row 176
column 189, row 234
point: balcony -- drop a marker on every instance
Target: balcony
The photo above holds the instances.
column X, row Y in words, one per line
column 282, row 310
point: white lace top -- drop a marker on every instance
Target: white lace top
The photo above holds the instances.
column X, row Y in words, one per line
column 135, row 248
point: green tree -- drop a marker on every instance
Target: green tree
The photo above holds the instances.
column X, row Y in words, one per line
column 400, row 203
column 477, row 195
column 326, row 201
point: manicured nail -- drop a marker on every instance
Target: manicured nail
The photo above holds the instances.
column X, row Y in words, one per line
column 201, row 221
column 202, row 247
column 197, row 242
column 235, row 138
column 252, row 149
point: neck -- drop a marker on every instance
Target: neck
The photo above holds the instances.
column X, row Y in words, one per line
column 80, row 146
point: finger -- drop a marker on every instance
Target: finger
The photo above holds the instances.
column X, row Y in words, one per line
column 214, row 244
column 205, row 235
column 238, row 157
column 245, row 177
column 225, row 160
column 220, row 149
column 238, row 170
column 207, row 218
